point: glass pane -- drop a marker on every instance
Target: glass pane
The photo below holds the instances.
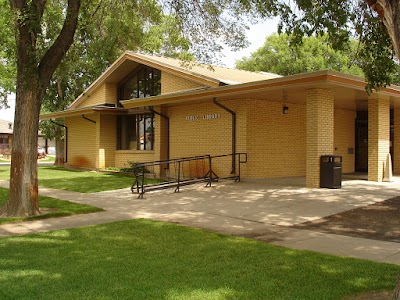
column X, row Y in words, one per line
column 157, row 83
column 130, row 89
column 146, row 82
column 128, row 140
column 141, row 132
column 149, row 130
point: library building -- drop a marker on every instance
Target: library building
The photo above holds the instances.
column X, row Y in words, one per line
column 147, row 108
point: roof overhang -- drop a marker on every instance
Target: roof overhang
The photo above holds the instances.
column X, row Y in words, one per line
column 102, row 110
column 349, row 91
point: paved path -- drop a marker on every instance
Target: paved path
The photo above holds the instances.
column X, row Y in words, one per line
column 262, row 210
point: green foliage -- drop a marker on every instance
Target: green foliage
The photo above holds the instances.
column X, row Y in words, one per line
column 99, row 40
column 279, row 56
column 377, row 58
column 142, row 259
column 185, row 28
column 52, row 131
column 7, row 53
column 343, row 21
column 50, row 207
column 134, row 168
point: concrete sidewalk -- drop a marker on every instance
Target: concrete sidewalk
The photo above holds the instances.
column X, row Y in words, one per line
column 262, row 210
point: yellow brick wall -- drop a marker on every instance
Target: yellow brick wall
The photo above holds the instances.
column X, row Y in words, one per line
column 275, row 141
column 199, row 136
column 82, row 151
column 319, row 133
column 123, row 157
column 105, row 93
column 378, row 137
column 111, row 93
column 396, row 142
column 106, row 140
column 345, row 138
column 171, row 83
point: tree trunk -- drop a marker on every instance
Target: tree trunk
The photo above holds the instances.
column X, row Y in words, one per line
column 396, row 295
column 23, row 198
column 389, row 12
column 33, row 77
column 59, row 148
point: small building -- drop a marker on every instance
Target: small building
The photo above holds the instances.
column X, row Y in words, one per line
column 6, row 137
column 148, row 108
column 6, row 131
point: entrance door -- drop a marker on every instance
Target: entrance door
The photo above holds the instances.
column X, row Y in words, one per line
column 361, row 146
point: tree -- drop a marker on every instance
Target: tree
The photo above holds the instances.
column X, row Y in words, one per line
column 99, row 43
column 373, row 23
column 39, row 50
column 35, row 66
column 7, row 67
column 313, row 54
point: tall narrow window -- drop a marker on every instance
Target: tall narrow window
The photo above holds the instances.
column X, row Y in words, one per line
column 136, row 132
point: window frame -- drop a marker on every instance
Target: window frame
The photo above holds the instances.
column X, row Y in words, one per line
column 139, row 120
column 144, row 84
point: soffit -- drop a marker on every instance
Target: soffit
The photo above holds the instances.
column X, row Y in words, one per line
column 349, row 92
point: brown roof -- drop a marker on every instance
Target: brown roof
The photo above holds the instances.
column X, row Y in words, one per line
column 204, row 74
column 222, row 74
column 6, row 126
column 349, row 91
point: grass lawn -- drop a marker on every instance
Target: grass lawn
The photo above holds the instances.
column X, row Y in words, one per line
column 78, row 181
column 143, row 259
column 48, row 158
column 55, row 207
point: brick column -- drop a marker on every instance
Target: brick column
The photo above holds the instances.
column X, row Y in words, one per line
column 378, row 137
column 106, row 141
column 320, row 132
column 396, row 142
column 160, row 139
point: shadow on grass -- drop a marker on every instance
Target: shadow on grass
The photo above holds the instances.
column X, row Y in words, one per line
column 143, row 259
column 88, row 184
column 50, row 208
column 82, row 181
column 78, row 181
column 61, row 169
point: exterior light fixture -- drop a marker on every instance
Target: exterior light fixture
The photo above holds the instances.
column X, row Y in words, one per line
column 285, row 109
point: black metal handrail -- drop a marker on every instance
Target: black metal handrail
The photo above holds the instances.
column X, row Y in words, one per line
column 175, row 173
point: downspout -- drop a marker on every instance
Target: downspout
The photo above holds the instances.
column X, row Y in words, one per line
column 233, row 132
column 83, row 116
column 166, row 118
column 66, row 139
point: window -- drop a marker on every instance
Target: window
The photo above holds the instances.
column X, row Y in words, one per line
column 4, row 139
column 135, row 132
column 144, row 83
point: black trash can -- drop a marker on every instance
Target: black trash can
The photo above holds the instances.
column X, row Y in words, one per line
column 331, row 171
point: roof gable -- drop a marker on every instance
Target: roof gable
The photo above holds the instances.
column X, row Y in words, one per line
column 208, row 76
column 6, row 127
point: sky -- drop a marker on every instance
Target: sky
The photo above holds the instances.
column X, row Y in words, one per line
column 8, row 114
column 256, row 36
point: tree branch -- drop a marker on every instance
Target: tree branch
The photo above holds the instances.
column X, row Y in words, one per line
column 57, row 51
column 27, row 24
